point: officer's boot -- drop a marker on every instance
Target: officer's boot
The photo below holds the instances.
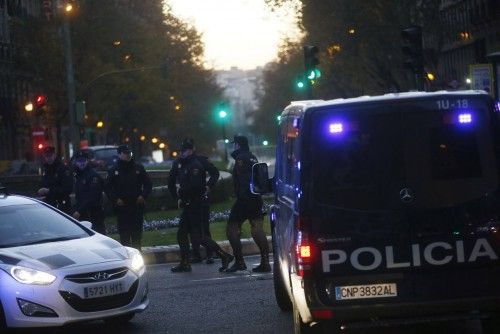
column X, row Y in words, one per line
column 239, row 264
column 184, row 266
column 264, row 266
column 225, row 259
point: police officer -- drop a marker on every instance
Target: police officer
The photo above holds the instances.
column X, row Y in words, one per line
column 213, row 173
column 89, row 187
column 191, row 177
column 247, row 206
column 57, row 181
column 128, row 186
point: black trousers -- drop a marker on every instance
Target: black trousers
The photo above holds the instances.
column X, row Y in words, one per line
column 205, row 230
column 130, row 220
column 191, row 223
column 96, row 217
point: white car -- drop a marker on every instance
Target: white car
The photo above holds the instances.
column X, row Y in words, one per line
column 55, row 270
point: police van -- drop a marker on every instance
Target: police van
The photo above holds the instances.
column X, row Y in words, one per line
column 387, row 210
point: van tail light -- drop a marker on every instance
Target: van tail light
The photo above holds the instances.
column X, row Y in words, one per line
column 322, row 314
column 303, row 247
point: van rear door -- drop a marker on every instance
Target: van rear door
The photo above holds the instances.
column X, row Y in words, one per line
column 404, row 200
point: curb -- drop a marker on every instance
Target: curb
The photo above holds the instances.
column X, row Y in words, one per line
column 167, row 254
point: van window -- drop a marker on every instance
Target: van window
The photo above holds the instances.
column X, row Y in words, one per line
column 363, row 156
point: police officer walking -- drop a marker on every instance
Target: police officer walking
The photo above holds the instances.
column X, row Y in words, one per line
column 128, row 186
column 190, row 174
column 89, row 187
column 57, row 181
column 247, row 206
column 213, row 173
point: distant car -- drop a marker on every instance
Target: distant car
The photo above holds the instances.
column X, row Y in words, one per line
column 56, row 271
column 102, row 157
column 147, row 161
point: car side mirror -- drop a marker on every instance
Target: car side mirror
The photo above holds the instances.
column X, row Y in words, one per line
column 260, row 184
column 86, row 224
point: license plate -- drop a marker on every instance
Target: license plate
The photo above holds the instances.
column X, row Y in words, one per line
column 103, row 290
column 366, row 291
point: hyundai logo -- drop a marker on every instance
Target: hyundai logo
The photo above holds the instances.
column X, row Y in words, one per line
column 101, row 276
column 406, row 195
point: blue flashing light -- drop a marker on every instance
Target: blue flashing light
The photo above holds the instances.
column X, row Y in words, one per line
column 465, row 118
column 335, row 128
column 497, row 106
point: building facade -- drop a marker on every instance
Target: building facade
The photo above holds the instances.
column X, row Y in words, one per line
column 470, row 32
column 15, row 83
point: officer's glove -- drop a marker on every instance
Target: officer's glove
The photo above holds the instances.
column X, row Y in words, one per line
column 180, row 205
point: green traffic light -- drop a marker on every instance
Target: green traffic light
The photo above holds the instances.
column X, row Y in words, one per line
column 312, row 75
column 222, row 114
column 265, row 143
column 278, row 118
column 317, row 73
column 300, row 84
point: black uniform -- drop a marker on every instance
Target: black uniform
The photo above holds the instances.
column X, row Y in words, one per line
column 89, row 187
column 211, row 170
column 247, row 206
column 127, row 181
column 58, row 179
column 192, row 187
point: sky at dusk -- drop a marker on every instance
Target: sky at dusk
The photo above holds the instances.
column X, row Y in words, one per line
column 241, row 33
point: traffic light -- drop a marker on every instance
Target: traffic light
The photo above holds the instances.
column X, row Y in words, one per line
column 40, row 103
column 311, row 62
column 412, row 49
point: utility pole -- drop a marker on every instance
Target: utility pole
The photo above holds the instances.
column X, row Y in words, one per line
column 70, row 82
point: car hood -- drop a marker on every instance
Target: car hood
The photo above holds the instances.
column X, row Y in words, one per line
column 64, row 254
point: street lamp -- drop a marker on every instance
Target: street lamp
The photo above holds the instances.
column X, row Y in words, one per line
column 28, row 107
column 223, row 115
column 100, row 124
column 154, row 140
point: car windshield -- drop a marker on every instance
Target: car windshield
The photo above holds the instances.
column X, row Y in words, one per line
column 33, row 224
column 105, row 154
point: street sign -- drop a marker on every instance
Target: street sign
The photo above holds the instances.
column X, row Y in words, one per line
column 481, row 76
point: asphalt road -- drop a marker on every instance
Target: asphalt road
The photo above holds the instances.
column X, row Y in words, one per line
column 206, row 301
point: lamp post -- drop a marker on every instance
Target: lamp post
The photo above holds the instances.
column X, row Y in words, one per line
column 223, row 116
column 70, row 76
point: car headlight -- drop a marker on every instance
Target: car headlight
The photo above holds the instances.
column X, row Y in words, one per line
column 137, row 263
column 31, row 276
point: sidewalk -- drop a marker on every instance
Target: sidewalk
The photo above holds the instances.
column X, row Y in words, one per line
column 166, row 254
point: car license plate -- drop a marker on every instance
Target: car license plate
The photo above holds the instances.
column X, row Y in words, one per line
column 102, row 290
column 366, row 291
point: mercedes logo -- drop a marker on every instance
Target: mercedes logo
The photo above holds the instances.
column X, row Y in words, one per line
column 406, row 195
column 101, row 276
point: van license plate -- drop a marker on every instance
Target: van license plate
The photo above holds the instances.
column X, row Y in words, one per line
column 366, row 291
column 103, row 290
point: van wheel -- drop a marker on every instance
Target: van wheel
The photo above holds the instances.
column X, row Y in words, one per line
column 491, row 325
column 280, row 293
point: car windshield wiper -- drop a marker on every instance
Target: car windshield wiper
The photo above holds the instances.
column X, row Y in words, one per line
column 42, row 241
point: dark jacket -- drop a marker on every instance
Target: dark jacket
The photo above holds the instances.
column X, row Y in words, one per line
column 190, row 174
column 58, row 179
column 242, row 173
column 127, row 180
column 89, row 187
